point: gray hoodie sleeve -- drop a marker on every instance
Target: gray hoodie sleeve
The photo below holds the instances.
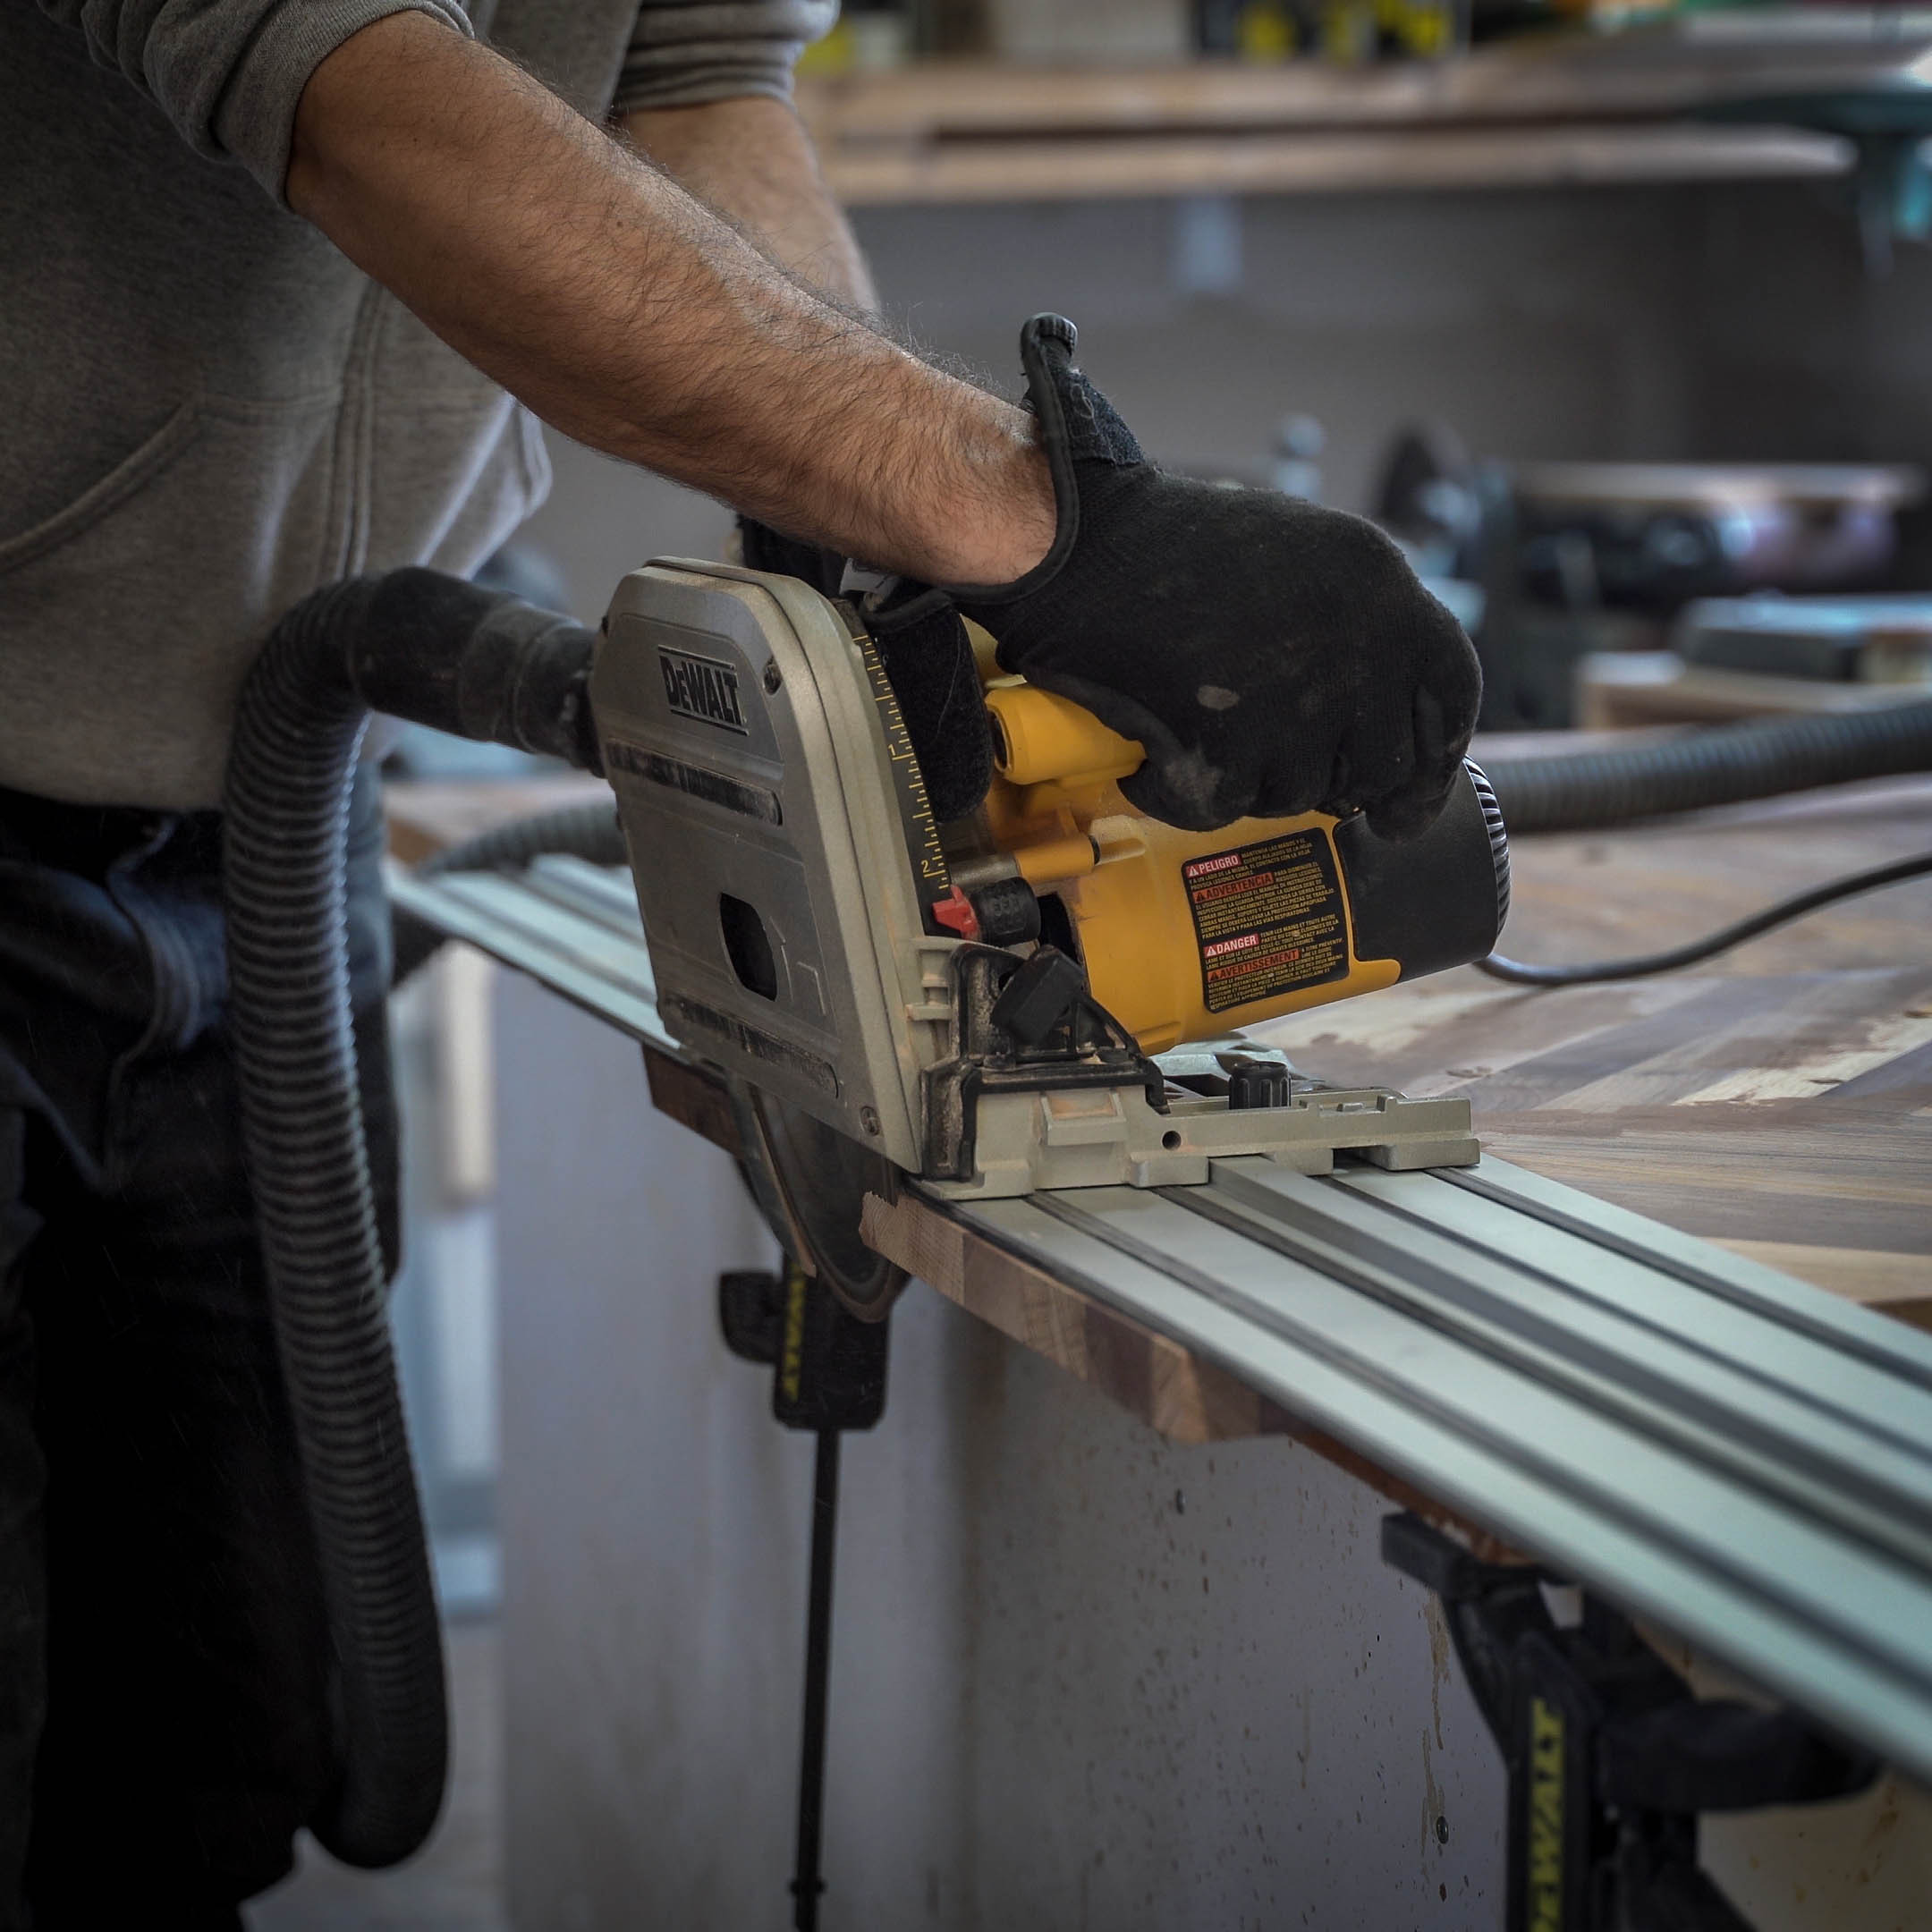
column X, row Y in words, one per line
column 229, row 72
column 685, row 52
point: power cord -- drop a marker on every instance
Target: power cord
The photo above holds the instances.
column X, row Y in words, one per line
column 1518, row 972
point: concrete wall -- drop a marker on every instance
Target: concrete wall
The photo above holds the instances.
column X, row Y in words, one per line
column 1083, row 1679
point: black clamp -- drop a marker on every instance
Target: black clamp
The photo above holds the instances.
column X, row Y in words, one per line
column 828, row 1374
column 828, row 1367
column 1611, row 1755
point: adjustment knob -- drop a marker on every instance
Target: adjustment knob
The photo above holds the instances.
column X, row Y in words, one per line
column 1261, row 1083
column 1008, row 912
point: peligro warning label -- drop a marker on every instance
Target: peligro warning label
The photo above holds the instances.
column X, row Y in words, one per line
column 1268, row 918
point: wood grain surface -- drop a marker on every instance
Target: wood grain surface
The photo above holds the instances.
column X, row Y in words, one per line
column 1781, row 1094
column 1778, row 1099
column 1421, row 159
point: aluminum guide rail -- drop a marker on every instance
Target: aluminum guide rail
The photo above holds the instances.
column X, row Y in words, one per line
column 1766, row 1548
column 1744, row 1457
column 572, row 927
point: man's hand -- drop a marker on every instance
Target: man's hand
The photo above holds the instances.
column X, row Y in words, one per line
column 1272, row 657
column 601, row 295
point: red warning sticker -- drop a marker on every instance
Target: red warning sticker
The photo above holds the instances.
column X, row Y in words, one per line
column 1268, row 918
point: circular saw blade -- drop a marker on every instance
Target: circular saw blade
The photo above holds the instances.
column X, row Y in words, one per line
column 822, row 1179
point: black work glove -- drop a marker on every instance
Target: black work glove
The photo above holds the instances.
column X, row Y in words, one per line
column 928, row 663
column 1272, row 656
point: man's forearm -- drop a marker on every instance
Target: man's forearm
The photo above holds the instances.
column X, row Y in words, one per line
column 603, row 296
column 752, row 161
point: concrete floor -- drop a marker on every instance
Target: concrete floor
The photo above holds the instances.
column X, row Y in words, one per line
column 455, row 1883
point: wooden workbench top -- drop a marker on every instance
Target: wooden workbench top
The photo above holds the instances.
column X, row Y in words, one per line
column 1779, row 1099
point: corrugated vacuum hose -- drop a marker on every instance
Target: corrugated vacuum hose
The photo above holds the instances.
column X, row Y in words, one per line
column 1574, row 790
column 589, row 832
column 442, row 653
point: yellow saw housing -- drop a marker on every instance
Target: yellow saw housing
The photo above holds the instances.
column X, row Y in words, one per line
column 1186, row 936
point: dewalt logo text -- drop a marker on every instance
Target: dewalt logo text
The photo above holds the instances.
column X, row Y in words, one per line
column 702, row 688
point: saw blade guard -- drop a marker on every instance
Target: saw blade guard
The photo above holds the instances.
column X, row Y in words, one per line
column 783, row 851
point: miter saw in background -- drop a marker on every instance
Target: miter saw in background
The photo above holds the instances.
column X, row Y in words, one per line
column 1043, row 995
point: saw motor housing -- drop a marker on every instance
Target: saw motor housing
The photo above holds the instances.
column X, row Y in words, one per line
column 1187, row 935
column 828, row 949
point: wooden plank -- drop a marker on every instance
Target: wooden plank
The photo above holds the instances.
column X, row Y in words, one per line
column 694, row 1099
column 1859, row 1186
column 1541, row 80
column 1779, row 1100
column 1186, row 1399
column 1778, row 1096
column 1781, row 1108
column 1546, row 113
column 1421, row 159
column 1745, row 1040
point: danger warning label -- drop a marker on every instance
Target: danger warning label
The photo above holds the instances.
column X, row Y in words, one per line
column 1268, row 918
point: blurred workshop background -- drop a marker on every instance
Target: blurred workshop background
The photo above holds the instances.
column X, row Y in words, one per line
column 1619, row 314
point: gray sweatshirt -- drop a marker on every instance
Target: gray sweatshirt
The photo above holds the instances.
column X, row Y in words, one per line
column 207, row 411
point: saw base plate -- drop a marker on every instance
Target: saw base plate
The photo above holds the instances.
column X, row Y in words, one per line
column 1113, row 1137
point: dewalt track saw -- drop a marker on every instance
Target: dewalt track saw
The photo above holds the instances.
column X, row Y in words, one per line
column 1046, row 994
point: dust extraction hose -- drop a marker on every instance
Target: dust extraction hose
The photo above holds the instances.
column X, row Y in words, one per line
column 589, row 832
column 1719, row 767
column 439, row 652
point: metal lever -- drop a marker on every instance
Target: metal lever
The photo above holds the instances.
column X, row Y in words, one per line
column 1040, row 995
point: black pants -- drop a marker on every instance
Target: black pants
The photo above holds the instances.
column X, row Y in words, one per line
column 164, row 1661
